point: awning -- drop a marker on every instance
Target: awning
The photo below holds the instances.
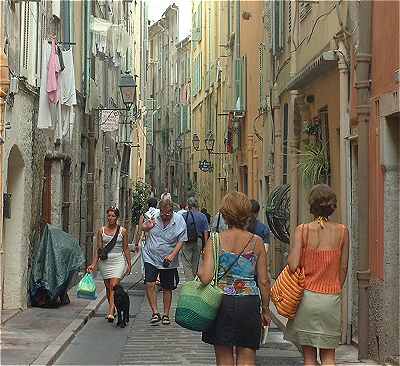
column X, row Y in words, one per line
column 326, row 61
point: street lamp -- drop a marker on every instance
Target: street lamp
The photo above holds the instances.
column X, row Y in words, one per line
column 210, row 141
column 196, row 141
column 127, row 85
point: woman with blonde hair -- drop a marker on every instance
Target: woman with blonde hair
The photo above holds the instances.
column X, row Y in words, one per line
column 324, row 245
column 236, row 332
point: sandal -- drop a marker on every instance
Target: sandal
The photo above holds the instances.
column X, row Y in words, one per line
column 110, row 318
column 165, row 320
column 155, row 319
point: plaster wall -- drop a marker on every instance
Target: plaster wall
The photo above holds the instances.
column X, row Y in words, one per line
column 17, row 177
column 249, row 47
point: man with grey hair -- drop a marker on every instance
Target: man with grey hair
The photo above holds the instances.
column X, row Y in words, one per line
column 165, row 236
column 197, row 234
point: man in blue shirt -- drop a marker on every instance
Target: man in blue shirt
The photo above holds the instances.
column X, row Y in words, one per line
column 166, row 234
column 257, row 227
column 197, row 233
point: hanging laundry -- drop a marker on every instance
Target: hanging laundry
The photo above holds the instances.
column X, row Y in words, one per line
column 53, row 71
column 67, row 79
column 44, row 115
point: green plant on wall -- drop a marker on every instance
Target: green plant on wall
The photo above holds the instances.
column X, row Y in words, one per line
column 140, row 194
column 314, row 164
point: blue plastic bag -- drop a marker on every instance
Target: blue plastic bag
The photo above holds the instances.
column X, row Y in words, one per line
column 87, row 288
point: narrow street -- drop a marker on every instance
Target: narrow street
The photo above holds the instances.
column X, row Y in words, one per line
column 100, row 343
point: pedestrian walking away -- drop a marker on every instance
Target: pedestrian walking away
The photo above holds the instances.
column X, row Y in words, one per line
column 182, row 208
column 140, row 239
column 322, row 246
column 218, row 223
column 236, row 332
column 197, row 233
column 257, row 227
column 165, row 236
column 205, row 212
column 112, row 256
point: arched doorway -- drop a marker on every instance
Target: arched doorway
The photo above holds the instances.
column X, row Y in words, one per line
column 14, row 275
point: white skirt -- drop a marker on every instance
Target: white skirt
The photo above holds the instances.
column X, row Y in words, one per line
column 113, row 267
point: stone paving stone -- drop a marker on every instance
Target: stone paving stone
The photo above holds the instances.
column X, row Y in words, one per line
column 173, row 345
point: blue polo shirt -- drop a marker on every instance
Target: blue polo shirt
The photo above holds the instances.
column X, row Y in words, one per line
column 263, row 232
column 161, row 241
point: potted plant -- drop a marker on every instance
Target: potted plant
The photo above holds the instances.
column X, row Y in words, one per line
column 314, row 164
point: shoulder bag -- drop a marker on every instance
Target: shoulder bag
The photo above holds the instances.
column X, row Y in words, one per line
column 198, row 304
column 103, row 252
column 288, row 289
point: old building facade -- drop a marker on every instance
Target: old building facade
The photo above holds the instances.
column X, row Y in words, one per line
column 69, row 171
column 162, row 100
column 324, row 110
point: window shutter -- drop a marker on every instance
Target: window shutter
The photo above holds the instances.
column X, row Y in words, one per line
column 268, row 23
column 24, row 39
column 200, row 71
column 289, row 12
column 199, row 21
column 261, row 81
column 243, row 83
column 238, row 83
column 281, row 5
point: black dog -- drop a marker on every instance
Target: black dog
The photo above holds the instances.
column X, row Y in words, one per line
column 122, row 303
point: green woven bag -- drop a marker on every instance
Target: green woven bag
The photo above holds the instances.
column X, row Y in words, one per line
column 198, row 304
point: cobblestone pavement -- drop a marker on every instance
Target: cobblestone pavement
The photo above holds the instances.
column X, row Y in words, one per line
column 174, row 345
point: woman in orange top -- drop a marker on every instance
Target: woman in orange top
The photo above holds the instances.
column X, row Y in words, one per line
column 325, row 247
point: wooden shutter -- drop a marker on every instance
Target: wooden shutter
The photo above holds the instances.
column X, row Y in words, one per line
column 29, row 41
column 289, row 13
column 24, row 38
column 244, row 82
column 277, row 26
column 281, row 5
column 268, row 23
column 262, row 78
column 199, row 21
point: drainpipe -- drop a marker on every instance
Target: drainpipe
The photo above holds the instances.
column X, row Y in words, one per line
column 89, row 120
column 362, row 85
column 345, row 176
column 4, row 86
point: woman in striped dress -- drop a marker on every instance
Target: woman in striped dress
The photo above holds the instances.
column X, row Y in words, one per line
column 325, row 247
column 118, row 262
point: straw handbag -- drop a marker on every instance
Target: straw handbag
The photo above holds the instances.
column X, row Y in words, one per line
column 288, row 289
column 198, row 304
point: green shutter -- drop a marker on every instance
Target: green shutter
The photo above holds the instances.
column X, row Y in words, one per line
column 200, row 71
column 238, row 83
column 199, row 21
column 281, row 25
column 243, row 89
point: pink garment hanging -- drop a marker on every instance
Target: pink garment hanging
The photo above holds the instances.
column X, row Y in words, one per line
column 53, row 85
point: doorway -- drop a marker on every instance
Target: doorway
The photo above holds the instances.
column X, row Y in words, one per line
column 14, row 269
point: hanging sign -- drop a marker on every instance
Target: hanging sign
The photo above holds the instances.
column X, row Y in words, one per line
column 109, row 120
column 206, row 166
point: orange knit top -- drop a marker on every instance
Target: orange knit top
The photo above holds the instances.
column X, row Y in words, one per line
column 322, row 268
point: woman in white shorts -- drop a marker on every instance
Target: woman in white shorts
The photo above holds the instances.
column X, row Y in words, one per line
column 118, row 262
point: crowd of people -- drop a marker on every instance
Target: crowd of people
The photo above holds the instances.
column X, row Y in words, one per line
column 163, row 236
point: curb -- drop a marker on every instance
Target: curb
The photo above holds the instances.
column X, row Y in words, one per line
column 50, row 354
column 5, row 319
